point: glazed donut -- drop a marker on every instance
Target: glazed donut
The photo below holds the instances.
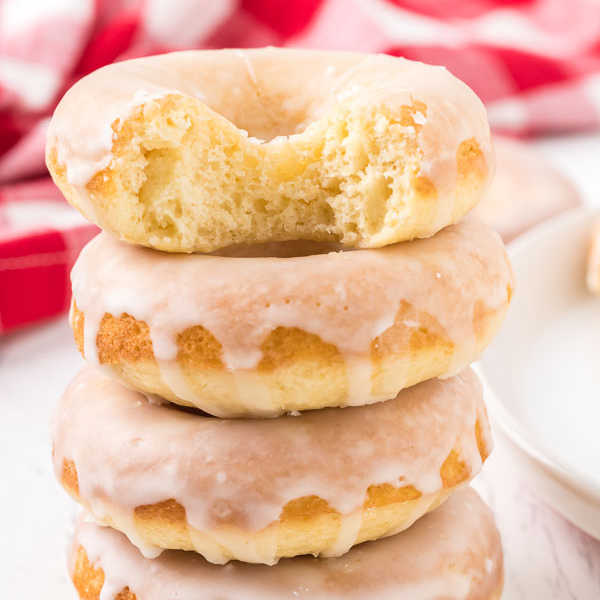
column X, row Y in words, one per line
column 195, row 151
column 262, row 336
column 454, row 553
column 525, row 190
column 258, row 490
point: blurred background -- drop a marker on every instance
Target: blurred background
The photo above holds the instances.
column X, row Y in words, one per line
column 535, row 64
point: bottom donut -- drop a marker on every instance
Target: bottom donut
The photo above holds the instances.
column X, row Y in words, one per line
column 453, row 553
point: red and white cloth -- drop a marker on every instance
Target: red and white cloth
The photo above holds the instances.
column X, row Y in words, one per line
column 535, row 63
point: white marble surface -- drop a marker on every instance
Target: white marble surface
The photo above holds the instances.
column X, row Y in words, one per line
column 35, row 366
column 546, row 557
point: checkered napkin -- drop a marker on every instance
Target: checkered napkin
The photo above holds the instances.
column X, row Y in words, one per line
column 535, row 63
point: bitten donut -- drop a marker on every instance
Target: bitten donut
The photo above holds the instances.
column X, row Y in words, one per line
column 260, row 336
column 194, row 151
column 258, row 490
column 454, row 553
column 525, row 190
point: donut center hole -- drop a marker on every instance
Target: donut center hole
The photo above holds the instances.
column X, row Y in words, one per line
column 288, row 249
column 269, row 112
column 267, row 124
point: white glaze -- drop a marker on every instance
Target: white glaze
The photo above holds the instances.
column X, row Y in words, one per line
column 346, row 298
column 241, row 473
column 97, row 155
column 271, row 93
column 453, row 553
column 347, row 535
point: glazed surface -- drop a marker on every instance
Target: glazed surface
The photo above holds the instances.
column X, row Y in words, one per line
column 243, row 473
column 239, row 83
column 352, row 300
column 453, row 553
column 197, row 150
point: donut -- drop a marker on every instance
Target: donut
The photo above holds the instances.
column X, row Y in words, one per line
column 257, row 490
column 199, row 150
column 241, row 336
column 453, row 553
column 525, row 190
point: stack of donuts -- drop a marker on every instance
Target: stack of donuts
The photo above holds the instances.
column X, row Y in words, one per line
column 278, row 321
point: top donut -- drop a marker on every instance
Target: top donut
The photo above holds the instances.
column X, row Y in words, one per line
column 199, row 150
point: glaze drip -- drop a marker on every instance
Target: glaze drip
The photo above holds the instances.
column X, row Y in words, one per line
column 223, row 472
column 454, row 553
column 346, row 298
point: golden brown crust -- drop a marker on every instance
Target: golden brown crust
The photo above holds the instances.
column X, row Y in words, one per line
column 484, row 449
column 198, row 349
column 125, row 337
column 471, row 164
column 426, row 349
column 454, row 471
column 300, row 370
column 286, row 346
column 89, row 580
column 76, row 319
column 307, row 524
column 69, row 478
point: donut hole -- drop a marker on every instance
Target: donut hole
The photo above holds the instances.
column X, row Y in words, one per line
column 289, row 249
column 264, row 109
column 273, row 123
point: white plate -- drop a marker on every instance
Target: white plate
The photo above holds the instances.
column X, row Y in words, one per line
column 543, row 370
